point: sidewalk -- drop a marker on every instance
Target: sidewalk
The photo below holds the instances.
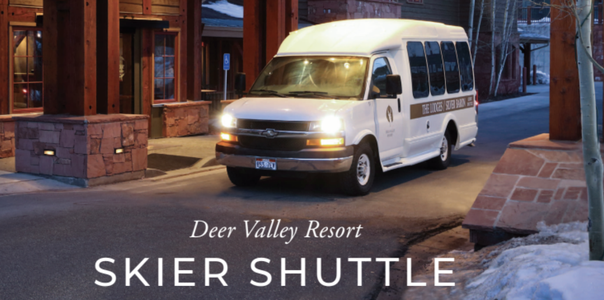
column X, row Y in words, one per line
column 19, row 183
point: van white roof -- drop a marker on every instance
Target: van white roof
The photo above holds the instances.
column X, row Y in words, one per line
column 364, row 37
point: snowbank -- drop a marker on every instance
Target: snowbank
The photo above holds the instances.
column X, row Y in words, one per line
column 554, row 271
column 552, row 264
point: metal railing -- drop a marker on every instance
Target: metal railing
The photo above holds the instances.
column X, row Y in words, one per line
column 531, row 15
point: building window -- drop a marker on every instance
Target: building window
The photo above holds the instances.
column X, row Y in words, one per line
column 165, row 84
column 27, row 70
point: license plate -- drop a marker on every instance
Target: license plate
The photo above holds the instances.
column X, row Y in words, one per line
column 266, row 164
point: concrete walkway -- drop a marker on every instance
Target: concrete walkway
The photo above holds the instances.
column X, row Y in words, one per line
column 19, row 183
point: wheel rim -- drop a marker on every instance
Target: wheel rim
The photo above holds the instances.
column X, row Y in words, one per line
column 363, row 169
column 444, row 149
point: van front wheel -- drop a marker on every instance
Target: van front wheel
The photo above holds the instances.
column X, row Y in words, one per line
column 359, row 179
column 443, row 160
column 242, row 176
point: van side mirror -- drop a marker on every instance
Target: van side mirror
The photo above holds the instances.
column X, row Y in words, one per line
column 240, row 83
column 393, row 85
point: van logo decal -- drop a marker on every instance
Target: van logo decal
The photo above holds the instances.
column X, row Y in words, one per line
column 441, row 106
column 270, row 133
column 389, row 114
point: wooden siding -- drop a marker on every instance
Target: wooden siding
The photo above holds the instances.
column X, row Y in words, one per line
column 131, row 6
column 433, row 10
column 165, row 7
column 31, row 3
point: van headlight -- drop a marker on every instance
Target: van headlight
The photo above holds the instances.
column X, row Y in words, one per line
column 228, row 121
column 328, row 125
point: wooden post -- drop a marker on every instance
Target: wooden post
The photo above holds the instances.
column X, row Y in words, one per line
column 534, row 74
column 527, row 56
column 564, row 113
column 524, row 80
column 291, row 16
column 4, row 54
column 275, row 27
column 69, row 52
column 528, row 15
column 253, row 39
column 194, row 67
column 108, row 57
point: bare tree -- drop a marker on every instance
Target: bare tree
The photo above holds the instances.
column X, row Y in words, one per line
column 592, row 159
column 493, row 27
column 505, row 40
column 475, row 41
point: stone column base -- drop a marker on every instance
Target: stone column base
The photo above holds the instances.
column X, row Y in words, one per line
column 7, row 136
column 186, row 118
column 535, row 180
column 83, row 151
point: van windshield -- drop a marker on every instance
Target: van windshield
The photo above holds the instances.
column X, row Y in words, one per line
column 313, row 77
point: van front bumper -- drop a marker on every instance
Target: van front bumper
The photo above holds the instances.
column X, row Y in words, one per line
column 320, row 160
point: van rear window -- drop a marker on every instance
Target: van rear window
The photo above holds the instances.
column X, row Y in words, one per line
column 451, row 67
column 465, row 66
column 435, row 67
column 419, row 71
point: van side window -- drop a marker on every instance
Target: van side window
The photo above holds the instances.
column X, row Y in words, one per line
column 381, row 68
column 465, row 66
column 451, row 68
column 435, row 66
column 419, row 71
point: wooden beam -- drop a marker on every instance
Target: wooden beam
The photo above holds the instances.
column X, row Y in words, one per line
column 108, row 57
column 253, row 39
column 53, row 104
column 4, row 58
column 69, row 52
column 291, row 16
column 275, row 27
column 565, row 110
column 147, row 7
column 194, row 68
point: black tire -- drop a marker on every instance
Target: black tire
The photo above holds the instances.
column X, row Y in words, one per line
column 243, row 176
column 351, row 182
column 443, row 161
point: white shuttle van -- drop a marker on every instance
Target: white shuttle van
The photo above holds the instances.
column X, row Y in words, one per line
column 353, row 97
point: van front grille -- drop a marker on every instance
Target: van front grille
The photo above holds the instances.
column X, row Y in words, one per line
column 278, row 144
column 277, row 125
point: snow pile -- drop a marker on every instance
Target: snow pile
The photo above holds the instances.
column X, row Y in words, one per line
column 223, row 6
column 559, row 270
column 552, row 264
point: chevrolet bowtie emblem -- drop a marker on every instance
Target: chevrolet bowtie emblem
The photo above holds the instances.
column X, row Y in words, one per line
column 270, row 133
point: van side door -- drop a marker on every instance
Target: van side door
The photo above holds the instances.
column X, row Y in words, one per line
column 388, row 110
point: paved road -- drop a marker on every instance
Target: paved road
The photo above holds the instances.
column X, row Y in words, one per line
column 49, row 242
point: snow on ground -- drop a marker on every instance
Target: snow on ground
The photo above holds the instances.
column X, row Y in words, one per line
column 223, row 6
column 552, row 264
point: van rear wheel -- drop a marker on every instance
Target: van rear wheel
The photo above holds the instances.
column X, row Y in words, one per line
column 359, row 179
column 443, row 161
column 243, row 176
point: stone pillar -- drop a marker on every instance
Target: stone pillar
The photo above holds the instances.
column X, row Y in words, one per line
column 81, row 150
column 536, row 180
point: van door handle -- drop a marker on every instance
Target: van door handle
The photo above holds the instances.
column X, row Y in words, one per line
column 399, row 104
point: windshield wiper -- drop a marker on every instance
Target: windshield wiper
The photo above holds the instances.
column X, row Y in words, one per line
column 268, row 92
column 313, row 93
